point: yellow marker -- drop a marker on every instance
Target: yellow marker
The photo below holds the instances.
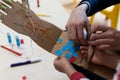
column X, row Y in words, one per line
column 75, row 1
column 43, row 15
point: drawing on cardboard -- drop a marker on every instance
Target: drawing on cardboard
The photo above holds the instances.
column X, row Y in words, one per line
column 21, row 19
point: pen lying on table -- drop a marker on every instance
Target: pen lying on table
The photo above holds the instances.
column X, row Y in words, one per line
column 15, row 52
column 25, row 62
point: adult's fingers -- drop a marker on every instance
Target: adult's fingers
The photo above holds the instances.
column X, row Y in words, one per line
column 99, row 28
column 104, row 47
column 81, row 35
column 101, row 42
column 88, row 29
column 72, row 34
column 96, row 36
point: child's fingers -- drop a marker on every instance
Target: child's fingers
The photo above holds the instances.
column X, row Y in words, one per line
column 58, row 58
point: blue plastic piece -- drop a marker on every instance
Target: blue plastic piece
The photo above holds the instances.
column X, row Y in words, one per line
column 58, row 53
column 59, row 40
column 85, row 34
column 9, row 38
column 68, row 56
column 17, row 41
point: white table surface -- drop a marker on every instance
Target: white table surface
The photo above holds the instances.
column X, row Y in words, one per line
column 43, row 70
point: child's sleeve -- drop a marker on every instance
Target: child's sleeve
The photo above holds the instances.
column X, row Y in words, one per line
column 78, row 76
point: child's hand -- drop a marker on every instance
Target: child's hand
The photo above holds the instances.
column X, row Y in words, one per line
column 60, row 63
column 63, row 65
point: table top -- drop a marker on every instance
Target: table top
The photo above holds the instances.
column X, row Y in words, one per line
column 44, row 69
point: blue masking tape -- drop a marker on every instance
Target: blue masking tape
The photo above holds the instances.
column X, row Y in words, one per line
column 72, row 50
column 59, row 40
column 63, row 49
column 68, row 56
column 76, row 47
column 70, row 42
column 67, row 46
column 75, row 54
column 58, row 53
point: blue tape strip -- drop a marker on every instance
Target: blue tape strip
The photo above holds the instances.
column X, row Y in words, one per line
column 59, row 40
column 68, row 56
column 67, row 46
column 64, row 49
column 58, row 53
column 76, row 47
column 75, row 54
column 72, row 50
column 70, row 42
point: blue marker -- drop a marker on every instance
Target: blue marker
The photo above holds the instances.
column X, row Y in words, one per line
column 25, row 62
column 9, row 38
column 17, row 41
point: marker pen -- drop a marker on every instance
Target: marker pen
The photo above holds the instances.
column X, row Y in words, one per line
column 25, row 62
column 11, row 50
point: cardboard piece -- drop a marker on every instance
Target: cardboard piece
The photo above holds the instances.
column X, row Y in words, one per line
column 26, row 22
column 46, row 35
column 70, row 50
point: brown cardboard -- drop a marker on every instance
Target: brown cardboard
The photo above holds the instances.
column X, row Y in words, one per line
column 26, row 22
column 59, row 46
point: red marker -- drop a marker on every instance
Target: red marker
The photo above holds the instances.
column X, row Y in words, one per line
column 15, row 52
column 38, row 3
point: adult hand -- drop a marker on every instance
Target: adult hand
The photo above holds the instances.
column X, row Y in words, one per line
column 63, row 65
column 109, row 39
column 101, row 57
column 76, row 23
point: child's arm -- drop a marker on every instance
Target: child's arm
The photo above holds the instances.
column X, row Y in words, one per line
column 63, row 65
